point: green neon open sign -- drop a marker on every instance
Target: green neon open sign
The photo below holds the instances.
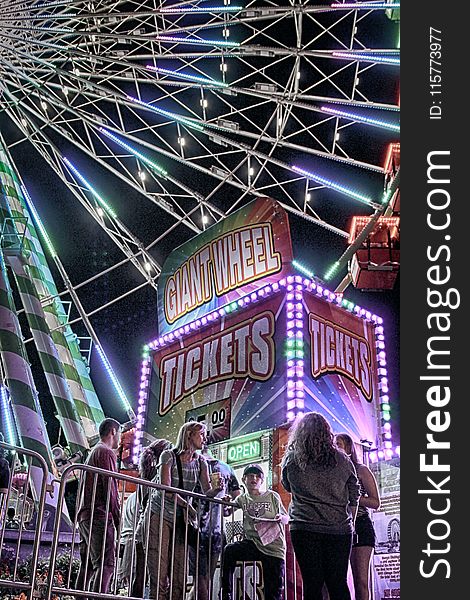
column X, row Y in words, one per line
column 244, row 451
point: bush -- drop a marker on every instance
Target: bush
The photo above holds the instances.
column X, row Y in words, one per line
column 23, row 573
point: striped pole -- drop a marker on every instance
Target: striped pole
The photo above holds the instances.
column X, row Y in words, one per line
column 19, row 379
column 88, row 406
column 76, row 373
column 48, row 355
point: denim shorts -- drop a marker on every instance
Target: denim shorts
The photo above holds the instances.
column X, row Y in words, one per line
column 365, row 532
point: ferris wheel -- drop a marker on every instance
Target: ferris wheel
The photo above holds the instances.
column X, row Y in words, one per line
column 198, row 107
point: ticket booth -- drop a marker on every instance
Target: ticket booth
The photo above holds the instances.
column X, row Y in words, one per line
column 247, row 345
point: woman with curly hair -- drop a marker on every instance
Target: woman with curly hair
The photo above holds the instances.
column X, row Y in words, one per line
column 361, row 553
column 325, row 493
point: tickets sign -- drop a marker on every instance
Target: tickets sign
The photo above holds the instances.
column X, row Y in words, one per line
column 231, row 374
column 341, row 381
column 246, row 250
column 233, row 370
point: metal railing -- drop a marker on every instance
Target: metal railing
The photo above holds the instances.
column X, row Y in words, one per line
column 118, row 550
column 28, row 471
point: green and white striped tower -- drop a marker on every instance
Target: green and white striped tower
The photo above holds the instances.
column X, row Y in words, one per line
column 50, row 361
column 64, row 349
column 18, row 377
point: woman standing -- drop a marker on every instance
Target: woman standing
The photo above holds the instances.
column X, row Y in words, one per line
column 325, row 492
column 148, row 469
column 361, row 553
column 166, row 545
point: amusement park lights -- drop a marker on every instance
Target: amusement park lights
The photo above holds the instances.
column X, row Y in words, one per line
column 194, row 78
column 208, row 9
column 50, row 29
column 90, row 188
column 334, row 186
column 133, row 151
column 360, row 118
column 295, row 286
column 295, row 349
column 376, row 58
column 367, row 5
column 167, row 113
column 7, row 418
column 112, row 376
column 144, row 382
column 332, row 271
column 38, row 222
column 58, row 15
column 303, row 269
column 179, row 40
column 52, row 3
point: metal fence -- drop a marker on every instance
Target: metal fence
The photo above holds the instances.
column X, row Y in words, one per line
column 22, row 508
column 143, row 546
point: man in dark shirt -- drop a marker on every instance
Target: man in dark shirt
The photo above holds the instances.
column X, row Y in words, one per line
column 99, row 512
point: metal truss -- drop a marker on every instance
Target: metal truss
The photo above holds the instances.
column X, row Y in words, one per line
column 201, row 106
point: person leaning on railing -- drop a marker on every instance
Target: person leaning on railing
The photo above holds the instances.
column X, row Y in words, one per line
column 99, row 513
column 264, row 520
column 148, row 469
column 166, row 552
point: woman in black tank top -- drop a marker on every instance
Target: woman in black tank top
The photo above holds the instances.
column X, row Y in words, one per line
column 363, row 547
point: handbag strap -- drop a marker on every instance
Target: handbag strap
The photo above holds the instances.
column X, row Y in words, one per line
column 179, row 468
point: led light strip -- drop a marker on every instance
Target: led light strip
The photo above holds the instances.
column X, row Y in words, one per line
column 7, row 416
column 167, row 113
column 180, row 75
column 89, row 187
column 295, row 285
column 303, row 269
column 367, row 5
column 44, row 4
column 113, row 378
column 136, row 153
column 209, row 9
column 295, row 349
column 333, row 185
column 178, row 40
column 368, row 58
column 360, row 118
column 38, row 222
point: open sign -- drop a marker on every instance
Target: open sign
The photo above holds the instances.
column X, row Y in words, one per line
column 244, row 451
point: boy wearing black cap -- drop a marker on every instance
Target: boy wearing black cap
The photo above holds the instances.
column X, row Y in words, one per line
column 264, row 518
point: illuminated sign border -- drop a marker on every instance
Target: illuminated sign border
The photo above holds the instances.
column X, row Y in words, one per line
column 294, row 285
column 336, row 369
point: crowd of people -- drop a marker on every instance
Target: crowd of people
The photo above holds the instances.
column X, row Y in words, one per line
column 332, row 495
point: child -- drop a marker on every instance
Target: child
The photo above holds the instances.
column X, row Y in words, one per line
column 264, row 518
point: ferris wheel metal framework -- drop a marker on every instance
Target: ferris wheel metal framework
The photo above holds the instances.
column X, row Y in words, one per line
column 200, row 106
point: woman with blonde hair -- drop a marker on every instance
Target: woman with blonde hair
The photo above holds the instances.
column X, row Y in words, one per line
column 325, row 493
column 181, row 467
column 363, row 547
